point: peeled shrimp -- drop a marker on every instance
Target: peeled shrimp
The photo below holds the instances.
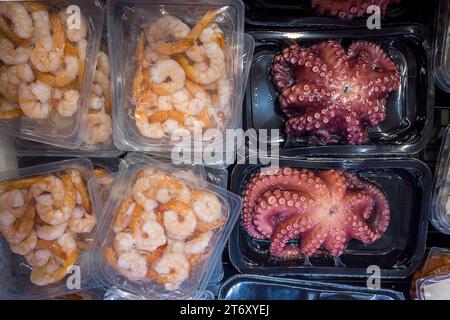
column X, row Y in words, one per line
column 20, row 73
column 208, row 209
column 102, row 79
column 152, row 130
column 44, row 275
column 33, row 100
column 172, row 269
column 64, row 75
column 98, row 128
column 199, row 243
column 28, row 244
column 166, row 28
column 209, row 73
column 67, row 243
column 167, row 76
column 9, row 54
column 38, row 257
column 13, row 202
column 130, row 263
column 123, row 217
column 8, row 110
column 74, row 34
column 81, row 192
column 210, row 34
column 194, row 104
column 48, row 53
column 81, row 221
column 17, row 231
column 148, row 234
column 179, row 219
column 19, row 17
column 41, row 23
column 51, row 232
column 8, row 89
column 68, row 105
column 123, row 242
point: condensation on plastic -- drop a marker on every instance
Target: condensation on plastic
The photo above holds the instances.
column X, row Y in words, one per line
column 201, row 274
column 124, row 19
column 440, row 206
column 408, row 123
column 14, row 278
column 218, row 160
column 407, row 185
column 257, row 287
column 442, row 46
column 66, row 132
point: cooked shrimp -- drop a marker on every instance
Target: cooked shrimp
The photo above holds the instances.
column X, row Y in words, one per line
column 175, row 130
column 14, row 202
column 199, row 243
column 68, row 105
column 171, row 270
column 208, row 210
column 6, row 30
column 20, row 183
column 142, row 94
column 81, row 221
column 82, row 53
column 19, row 17
column 18, row 230
column 8, row 89
column 25, row 246
column 53, row 247
column 67, row 243
column 103, row 63
column 98, row 128
column 166, row 28
column 167, row 77
column 51, row 232
column 148, row 234
column 123, row 242
column 33, row 100
column 38, row 257
column 102, row 79
column 123, row 217
column 151, row 56
column 130, row 263
column 74, row 34
column 210, row 34
column 48, row 53
column 64, row 75
column 20, row 73
column 152, row 130
column 82, row 194
column 179, row 219
column 10, row 113
column 96, row 103
column 44, row 275
column 195, row 103
column 214, row 69
column 9, row 54
column 41, row 23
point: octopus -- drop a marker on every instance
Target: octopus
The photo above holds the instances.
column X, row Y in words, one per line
column 320, row 209
column 333, row 95
column 349, row 9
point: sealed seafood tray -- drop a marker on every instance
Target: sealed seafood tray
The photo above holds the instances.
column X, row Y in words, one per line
column 318, row 13
column 407, row 125
column 141, row 68
column 251, row 287
column 50, row 104
column 440, row 207
column 393, row 234
column 441, row 50
column 47, row 252
column 149, row 275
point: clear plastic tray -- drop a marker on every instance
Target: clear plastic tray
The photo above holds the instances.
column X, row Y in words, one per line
column 440, row 206
column 15, row 271
column 434, row 287
column 202, row 273
column 442, row 46
column 59, row 131
column 407, row 127
column 251, row 287
column 398, row 253
column 124, row 20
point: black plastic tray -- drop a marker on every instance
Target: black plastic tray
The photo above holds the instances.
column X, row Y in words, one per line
column 407, row 127
column 250, row 287
column 407, row 184
column 295, row 13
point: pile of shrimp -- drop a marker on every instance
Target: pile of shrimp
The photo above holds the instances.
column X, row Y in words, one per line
column 182, row 82
column 43, row 218
column 98, row 120
column 163, row 230
column 41, row 61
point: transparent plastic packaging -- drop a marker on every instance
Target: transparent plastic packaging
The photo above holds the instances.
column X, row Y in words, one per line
column 435, row 268
column 202, row 272
column 441, row 48
column 408, row 123
column 65, row 132
column 407, row 186
column 15, row 276
column 440, row 206
column 125, row 21
column 257, row 287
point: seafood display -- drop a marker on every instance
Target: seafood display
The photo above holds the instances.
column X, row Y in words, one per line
column 98, row 120
column 331, row 94
column 163, row 230
column 438, row 263
column 183, row 80
column 349, row 9
column 42, row 61
column 44, row 219
column 322, row 209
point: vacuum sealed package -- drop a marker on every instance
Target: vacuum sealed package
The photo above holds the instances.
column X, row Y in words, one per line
column 162, row 233
column 48, row 67
column 47, row 224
